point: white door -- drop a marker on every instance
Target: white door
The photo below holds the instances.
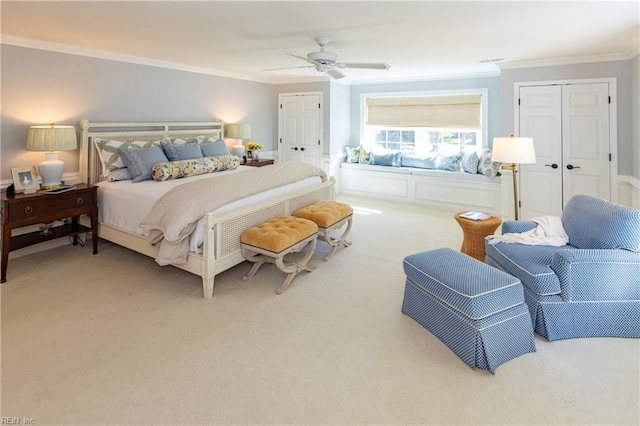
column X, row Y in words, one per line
column 300, row 128
column 586, row 140
column 569, row 124
column 541, row 119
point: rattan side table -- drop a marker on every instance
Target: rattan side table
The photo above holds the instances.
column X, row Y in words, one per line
column 474, row 232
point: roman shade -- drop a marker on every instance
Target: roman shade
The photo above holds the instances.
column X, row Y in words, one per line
column 456, row 111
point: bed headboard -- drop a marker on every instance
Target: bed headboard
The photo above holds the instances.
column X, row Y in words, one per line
column 90, row 166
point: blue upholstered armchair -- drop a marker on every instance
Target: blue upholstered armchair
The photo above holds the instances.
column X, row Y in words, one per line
column 587, row 288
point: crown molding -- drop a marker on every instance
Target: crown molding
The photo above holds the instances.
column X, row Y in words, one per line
column 100, row 54
column 566, row 61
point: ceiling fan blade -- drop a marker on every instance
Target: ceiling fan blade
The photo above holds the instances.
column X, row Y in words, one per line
column 335, row 73
column 304, row 59
column 288, row 68
column 364, row 65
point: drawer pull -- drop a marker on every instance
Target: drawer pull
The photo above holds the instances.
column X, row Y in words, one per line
column 28, row 210
column 80, row 201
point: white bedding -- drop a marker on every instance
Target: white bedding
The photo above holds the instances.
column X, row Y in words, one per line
column 125, row 204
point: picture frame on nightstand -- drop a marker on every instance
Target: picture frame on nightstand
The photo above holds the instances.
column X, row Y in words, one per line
column 25, row 179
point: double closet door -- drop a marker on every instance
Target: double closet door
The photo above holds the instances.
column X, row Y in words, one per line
column 569, row 124
column 300, row 128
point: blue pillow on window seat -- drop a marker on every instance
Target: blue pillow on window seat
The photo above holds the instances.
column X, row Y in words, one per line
column 450, row 163
column 429, row 161
column 387, row 159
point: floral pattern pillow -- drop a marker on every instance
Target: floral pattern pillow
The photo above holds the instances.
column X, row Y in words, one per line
column 180, row 169
column 486, row 166
column 353, row 154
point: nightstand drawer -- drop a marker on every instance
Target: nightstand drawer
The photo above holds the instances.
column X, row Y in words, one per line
column 43, row 206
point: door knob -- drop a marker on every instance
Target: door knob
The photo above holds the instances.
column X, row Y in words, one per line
column 553, row 166
column 295, row 148
column 302, row 149
column 571, row 167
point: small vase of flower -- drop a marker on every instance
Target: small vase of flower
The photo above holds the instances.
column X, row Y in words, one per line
column 252, row 150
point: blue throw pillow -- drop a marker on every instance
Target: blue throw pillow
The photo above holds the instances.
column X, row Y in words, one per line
column 140, row 161
column 450, row 163
column 421, row 162
column 188, row 151
column 486, row 166
column 214, row 149
column 388, row 159
column 470, row 162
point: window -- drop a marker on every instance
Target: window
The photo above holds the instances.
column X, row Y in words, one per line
column 444, row 123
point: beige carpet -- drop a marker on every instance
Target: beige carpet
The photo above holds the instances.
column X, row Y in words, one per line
column 116, row 339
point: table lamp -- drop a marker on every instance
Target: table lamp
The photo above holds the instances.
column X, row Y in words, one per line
column 514, row 150
column 238, row 131
column 51, row 139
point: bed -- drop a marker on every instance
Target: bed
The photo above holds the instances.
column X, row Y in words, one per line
column 215, row 244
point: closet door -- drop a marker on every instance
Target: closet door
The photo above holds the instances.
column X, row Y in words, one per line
column 569, row 124
column 586, row 140
column 299, row 128
column 541, row 183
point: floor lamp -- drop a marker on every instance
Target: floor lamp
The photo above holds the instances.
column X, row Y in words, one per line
column 515, row 151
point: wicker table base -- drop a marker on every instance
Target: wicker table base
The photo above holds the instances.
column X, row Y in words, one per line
column 474, row 232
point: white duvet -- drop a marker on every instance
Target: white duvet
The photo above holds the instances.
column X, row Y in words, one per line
column 125, row 204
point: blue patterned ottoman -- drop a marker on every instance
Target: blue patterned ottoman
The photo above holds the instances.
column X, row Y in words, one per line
column 476, row 310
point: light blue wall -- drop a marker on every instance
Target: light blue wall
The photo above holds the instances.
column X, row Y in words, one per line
column 40, row 87
column 621, row 70
column 340, row 123
column 492, row 84
column 635, row 116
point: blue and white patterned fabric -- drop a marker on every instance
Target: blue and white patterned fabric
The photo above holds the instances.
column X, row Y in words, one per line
column 476, row 310
column 597, row 274
column 595, row 223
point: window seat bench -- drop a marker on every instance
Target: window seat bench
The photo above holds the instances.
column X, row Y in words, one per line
column 438, row 188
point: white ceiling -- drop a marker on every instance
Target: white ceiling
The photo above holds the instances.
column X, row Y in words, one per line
column 418, row 39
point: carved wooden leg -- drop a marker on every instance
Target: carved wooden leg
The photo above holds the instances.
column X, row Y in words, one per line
column 293, row 269
column 336, row 242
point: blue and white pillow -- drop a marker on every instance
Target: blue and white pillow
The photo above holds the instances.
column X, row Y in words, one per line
column 486, row 166
column 450, row 163
column 353, row 154
column 420, row 161
column 386, row 159
column 470, row 162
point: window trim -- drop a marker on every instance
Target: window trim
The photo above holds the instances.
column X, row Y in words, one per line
column 484, row 102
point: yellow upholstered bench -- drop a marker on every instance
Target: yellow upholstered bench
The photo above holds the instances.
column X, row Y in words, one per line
column 329, row 215
column 272, row 240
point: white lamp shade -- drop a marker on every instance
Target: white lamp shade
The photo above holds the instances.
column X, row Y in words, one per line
column 238, row 131
column 52, row 138
column 513, row 150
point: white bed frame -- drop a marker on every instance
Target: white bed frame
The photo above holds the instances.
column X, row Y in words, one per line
column 221, row 248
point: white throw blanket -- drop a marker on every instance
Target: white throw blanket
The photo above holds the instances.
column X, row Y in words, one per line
column 174, row 216
column 549, row 232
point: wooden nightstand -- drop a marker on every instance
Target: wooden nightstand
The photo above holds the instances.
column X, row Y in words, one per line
column 259, row 163
column 23, row 210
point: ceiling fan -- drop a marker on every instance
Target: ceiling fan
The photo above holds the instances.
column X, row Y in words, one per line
column 327, row 62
